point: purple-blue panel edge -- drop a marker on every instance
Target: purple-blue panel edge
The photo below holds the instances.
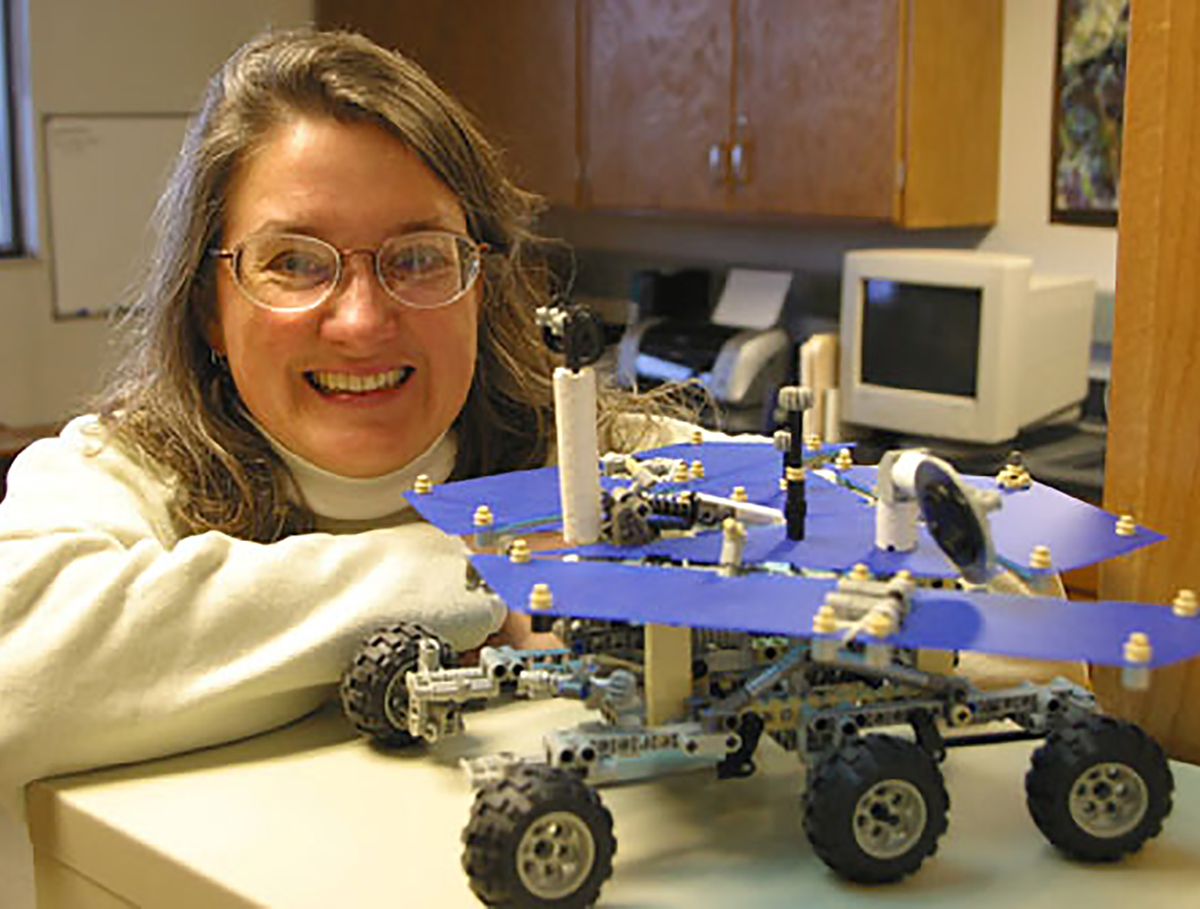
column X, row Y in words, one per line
column 1037, row 627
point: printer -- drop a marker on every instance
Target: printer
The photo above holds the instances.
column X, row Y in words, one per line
column 737, row 349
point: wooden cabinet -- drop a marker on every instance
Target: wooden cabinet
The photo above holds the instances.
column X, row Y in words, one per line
column 886, row 110
column 512, row 63
column 878, row 109
column 656, row 94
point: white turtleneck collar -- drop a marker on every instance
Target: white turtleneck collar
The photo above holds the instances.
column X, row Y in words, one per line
column 331, row 495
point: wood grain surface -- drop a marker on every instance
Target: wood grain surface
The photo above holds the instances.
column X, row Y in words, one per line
column 656, row 89
column 511, row 63
column 1153, row 459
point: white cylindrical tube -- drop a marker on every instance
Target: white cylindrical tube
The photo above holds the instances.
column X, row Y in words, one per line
column 896, row 525
column 746, row 512
column 832, row 430
column 733, row 546
column 578, row 457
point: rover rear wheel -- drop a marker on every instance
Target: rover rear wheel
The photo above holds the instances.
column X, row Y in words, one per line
column 373, row 692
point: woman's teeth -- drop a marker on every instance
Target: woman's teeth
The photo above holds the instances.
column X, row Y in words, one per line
column 347, row 383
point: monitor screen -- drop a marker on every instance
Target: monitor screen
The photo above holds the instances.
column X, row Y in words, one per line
column 921, row 337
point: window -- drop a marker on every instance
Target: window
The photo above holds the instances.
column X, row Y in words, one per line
column 10, row 207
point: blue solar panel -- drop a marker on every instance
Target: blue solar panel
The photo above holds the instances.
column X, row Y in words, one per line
column 1037, row 627
column 839, row 531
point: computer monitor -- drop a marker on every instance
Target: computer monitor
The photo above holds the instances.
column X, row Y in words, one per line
column 960, row 344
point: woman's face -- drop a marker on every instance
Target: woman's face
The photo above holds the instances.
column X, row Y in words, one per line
column 352, row 185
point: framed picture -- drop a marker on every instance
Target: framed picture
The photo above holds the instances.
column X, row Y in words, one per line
column 1089, row 108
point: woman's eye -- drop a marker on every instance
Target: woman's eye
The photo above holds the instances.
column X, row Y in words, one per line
column 296, row 264
column 415, row 263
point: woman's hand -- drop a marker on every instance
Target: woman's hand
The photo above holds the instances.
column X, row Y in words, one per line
column 517, row 631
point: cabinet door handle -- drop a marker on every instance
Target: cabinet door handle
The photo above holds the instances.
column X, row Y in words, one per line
column 738, row 159
column 716, row 162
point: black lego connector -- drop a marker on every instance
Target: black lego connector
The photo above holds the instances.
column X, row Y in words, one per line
column 573, row 330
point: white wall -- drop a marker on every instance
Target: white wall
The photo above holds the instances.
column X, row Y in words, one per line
column 1024, row 225
column 115, row 56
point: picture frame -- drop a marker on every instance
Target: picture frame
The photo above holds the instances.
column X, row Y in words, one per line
column 1089, row 107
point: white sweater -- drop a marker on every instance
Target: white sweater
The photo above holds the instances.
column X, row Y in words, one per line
column 121, row 641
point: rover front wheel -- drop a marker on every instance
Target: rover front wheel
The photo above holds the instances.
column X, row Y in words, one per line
column 1099, row 788
column 875, row 809
column 538, row 838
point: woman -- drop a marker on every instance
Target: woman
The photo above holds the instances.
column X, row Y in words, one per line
column 341, row 300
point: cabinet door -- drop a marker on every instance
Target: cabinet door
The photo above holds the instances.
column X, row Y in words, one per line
column 657, row 103
column 511, row 63
column 817, row 107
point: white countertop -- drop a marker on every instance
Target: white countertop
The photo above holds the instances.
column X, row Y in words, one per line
column 309, row 816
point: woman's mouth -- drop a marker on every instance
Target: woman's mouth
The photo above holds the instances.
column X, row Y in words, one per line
column 342, row 383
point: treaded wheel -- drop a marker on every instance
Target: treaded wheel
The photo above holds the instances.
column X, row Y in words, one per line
column 1099, row 788
column 374, row 696
column 539, row 838
column 875, row 809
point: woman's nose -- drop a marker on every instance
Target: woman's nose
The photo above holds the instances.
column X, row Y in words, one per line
column 359, row 306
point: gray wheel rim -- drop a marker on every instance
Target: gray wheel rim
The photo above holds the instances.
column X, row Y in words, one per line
column 395, row 701
column 1108, row 800
column 889, row 819
column 555, row 855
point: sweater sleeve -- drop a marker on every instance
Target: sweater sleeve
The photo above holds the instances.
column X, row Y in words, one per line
column 120, row 642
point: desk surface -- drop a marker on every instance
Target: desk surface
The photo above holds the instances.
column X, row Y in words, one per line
column 309, row 816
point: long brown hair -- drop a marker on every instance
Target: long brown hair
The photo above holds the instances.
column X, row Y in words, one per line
column 172, row 400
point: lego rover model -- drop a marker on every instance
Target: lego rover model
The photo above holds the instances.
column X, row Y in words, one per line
column 723, row 597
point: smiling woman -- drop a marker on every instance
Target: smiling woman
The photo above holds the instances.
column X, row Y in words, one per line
column 364, row 381
column 335, row 147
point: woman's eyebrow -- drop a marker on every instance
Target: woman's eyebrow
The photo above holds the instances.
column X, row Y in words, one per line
column 307, row 228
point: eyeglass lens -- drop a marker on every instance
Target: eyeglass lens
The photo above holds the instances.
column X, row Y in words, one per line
column 292, row 271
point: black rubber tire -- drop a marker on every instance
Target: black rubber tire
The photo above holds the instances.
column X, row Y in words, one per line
column 506, row 810
column 377, row 670
column 874, row 769
column 1105, row 763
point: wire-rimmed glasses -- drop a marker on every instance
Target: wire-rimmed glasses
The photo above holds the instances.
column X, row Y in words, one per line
column 294, row 272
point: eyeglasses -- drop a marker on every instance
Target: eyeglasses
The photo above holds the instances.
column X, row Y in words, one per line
column 293, row 272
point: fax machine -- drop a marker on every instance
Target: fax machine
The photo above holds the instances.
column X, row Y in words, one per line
column 674, row 340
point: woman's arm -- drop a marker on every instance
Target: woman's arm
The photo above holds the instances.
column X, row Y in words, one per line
column 119, row 642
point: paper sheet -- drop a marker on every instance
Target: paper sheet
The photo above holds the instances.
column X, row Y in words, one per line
column 752, row 298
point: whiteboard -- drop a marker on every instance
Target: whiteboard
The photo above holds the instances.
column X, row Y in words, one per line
column 104, row 174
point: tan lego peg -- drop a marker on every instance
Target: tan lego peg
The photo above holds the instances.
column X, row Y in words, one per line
column 1138, row 649
column 1184, row 604
column 1039, row 558
column 825, row 620
column 518, row 552
column 540, row 597
column 696, row 471
column 1126, row 526
column 879, row 624
column 739, row 494
column 423, row 486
